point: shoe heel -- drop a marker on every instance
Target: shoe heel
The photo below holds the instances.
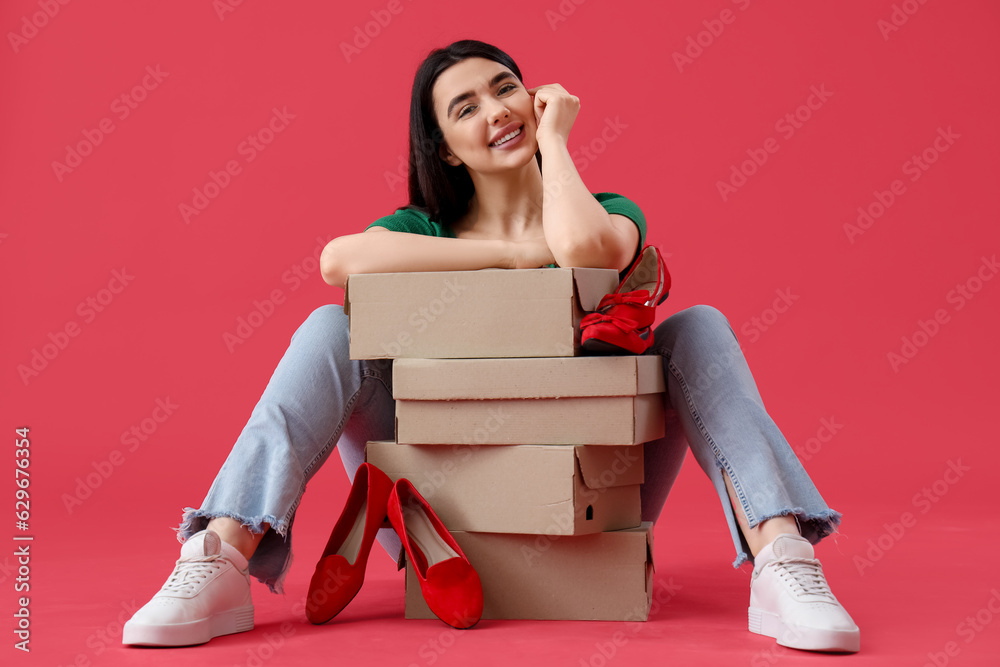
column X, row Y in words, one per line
column 754, row 620
column 340, row 571
column 244, row 619
column 764, row 623
column 229, row 622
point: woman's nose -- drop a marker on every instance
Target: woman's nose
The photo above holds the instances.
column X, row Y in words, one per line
column 499, row 112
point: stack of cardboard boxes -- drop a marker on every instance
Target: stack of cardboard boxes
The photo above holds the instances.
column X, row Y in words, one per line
column 530, row 453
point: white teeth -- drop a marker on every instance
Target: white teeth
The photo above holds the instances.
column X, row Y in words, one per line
column 506, row 138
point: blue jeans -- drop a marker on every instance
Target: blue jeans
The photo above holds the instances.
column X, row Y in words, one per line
column 318, row 399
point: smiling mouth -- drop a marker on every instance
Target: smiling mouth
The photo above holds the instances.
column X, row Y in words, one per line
column 507, row 137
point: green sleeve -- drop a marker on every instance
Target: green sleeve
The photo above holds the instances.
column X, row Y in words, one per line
column 406, row 220
column 615, row 203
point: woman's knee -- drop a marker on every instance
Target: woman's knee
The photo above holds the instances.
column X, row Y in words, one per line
column 701, row 323
column 328, row 319
column 704, row 316
column 329, row 315
column 704, row 320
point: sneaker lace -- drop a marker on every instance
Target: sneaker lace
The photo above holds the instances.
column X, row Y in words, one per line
column 190, row 572
column 805, row 576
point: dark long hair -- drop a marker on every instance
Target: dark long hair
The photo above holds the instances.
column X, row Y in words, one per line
column 441, row 190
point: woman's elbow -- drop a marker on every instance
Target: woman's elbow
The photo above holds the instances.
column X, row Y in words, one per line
column 333, row 264
column 583, row 253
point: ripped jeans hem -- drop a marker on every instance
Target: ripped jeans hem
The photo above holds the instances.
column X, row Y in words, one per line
column 195, row 520
column 814, row 527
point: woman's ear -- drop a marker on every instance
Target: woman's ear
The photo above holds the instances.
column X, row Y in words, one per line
column 447, row 155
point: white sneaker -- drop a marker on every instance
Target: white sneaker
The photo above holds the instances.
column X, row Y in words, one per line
column 791, row 601
column 207, row 595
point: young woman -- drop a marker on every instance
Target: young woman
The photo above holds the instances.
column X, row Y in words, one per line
column 480, row 198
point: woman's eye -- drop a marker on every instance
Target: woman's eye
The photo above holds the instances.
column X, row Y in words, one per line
column 503, row 89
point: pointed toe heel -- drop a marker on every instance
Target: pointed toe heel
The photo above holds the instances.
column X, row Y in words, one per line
column 450, row 585
column 340, row 571
column 623, row 321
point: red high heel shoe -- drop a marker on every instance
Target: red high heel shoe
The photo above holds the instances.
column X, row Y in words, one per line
column 341, row 569
column 624, row 319
column 448, row 582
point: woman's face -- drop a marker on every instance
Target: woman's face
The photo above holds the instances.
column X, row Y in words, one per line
column 476, row 99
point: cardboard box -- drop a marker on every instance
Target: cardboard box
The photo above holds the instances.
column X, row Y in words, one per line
column 469, row 314
column 609, row 420
column 558, row 377
column 541, row 401
column 538, row 489
column 601, row 577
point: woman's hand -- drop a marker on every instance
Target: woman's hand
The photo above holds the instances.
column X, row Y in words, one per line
column 555, row 113
column 531, row 253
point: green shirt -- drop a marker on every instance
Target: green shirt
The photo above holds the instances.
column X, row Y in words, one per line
column 417, row 222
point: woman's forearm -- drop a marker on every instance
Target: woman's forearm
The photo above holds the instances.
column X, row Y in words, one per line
column 578, row 229
column 384, row 251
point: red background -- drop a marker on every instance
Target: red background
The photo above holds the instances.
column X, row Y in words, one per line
column 329, row 172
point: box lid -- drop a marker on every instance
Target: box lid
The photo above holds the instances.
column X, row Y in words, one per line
column 487, row 284
column 591, row 285
column 540, row 377
column 471, row 314
column 602, row 467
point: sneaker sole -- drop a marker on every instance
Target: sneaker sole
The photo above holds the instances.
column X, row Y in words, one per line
column 187, row 634
column 808, row 639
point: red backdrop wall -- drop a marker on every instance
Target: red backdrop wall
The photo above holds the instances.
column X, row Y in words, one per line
column 823, row 173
